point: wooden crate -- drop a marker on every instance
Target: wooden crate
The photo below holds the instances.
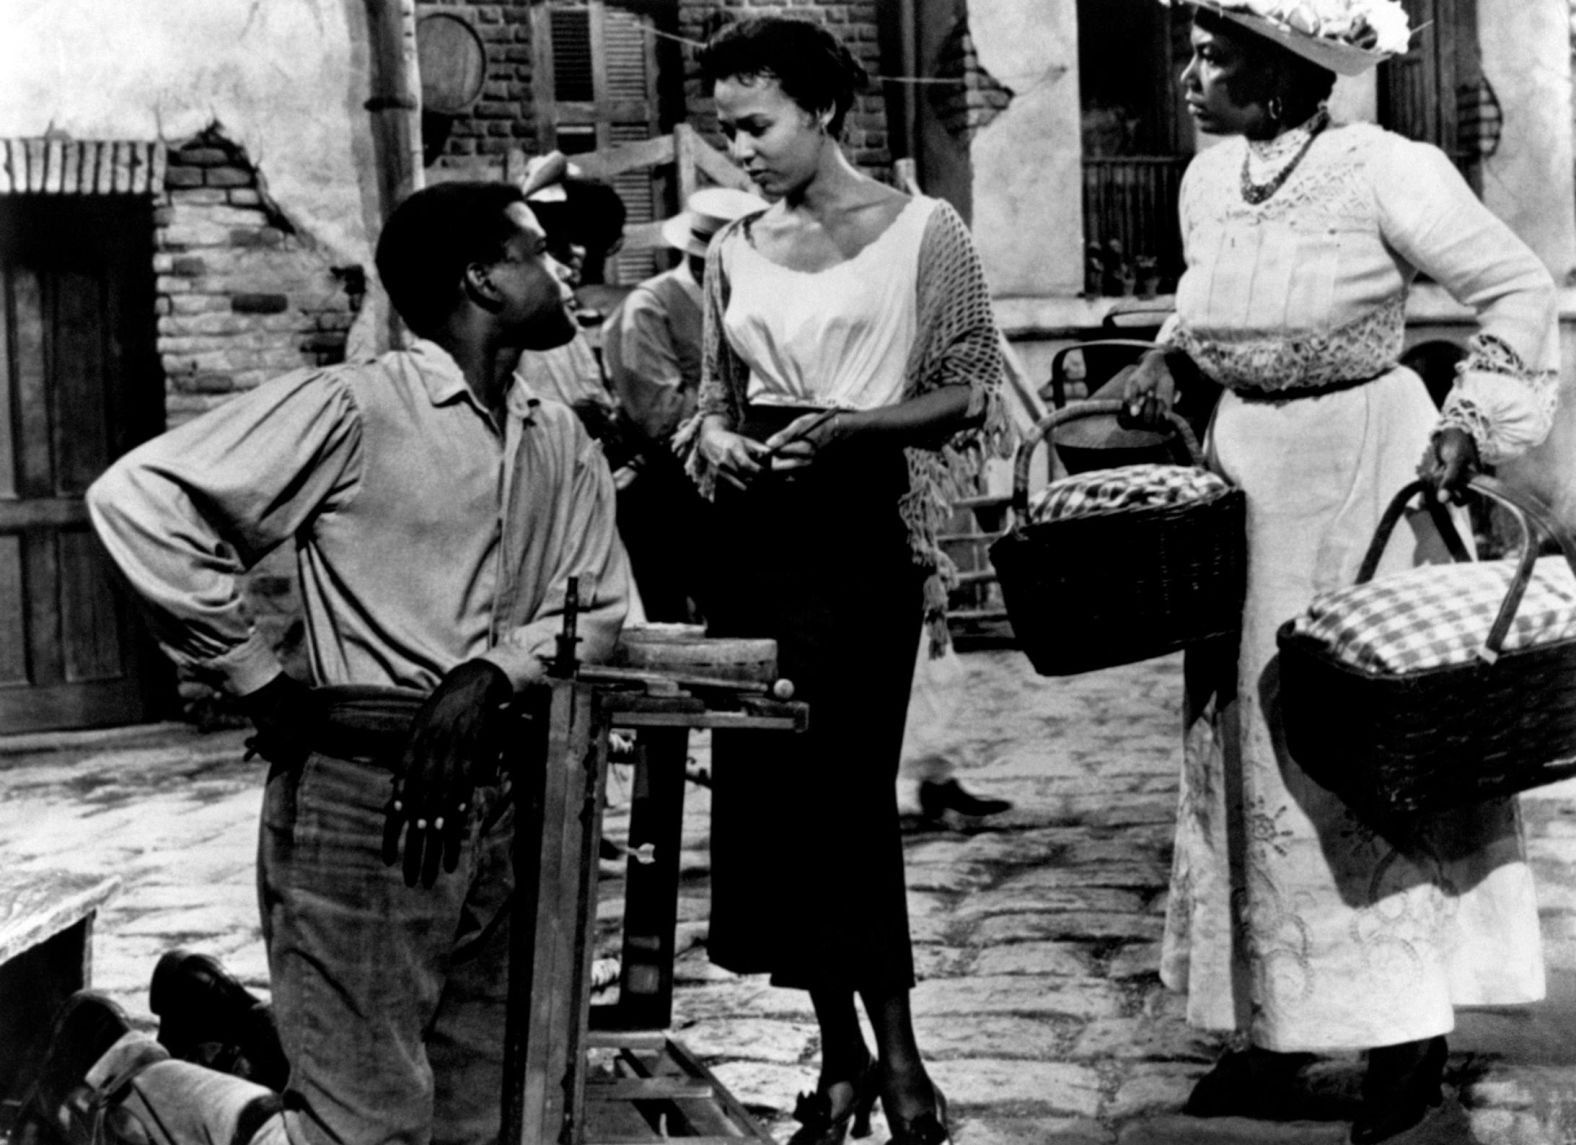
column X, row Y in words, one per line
column 645, row 1086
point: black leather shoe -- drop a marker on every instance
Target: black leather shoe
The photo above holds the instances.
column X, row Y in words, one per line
column 818, row 1125
column 60, row 1102
column 1401, row 1085
column 929, row 1128
column 1250, row 1082
column 206, row 1016
column 936, row 798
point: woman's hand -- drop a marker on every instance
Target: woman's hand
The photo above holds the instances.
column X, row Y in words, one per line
column 736, row 458
column 797, row 443
column 1149, row 393
column 1449, row 462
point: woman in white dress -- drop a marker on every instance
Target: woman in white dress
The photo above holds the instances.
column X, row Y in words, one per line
column 850, row 363
column 1289, row 919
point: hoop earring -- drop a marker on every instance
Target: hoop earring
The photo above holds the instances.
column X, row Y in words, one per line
column 1275, row 109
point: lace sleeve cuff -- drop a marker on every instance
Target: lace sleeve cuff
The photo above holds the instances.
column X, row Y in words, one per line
column 1506, row 407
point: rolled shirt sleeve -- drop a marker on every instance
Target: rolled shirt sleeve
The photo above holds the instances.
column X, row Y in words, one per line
column 185, row 514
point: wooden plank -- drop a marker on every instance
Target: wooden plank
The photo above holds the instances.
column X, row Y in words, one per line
column 651, row 890
column 139, row 168
column 42, row 513
column 605, row 163
column 106, row 167
column 71, row 179
column 8, row 404
column 123, row 158
column 5, row 167
column 41, row 573
column 635, row 719
column 542, row 79
column 87, row 177
column 546, row 1075
column 13, row 614
column 90, row 618
column 77, row 373
column 684, row 140
column 646, row 1089
column 30, row 383
column 54, row 166
column 94, row 704
column 35, row 164
column 719, row 168
column 160, row 163
column 644, row 236
column 649, row 1041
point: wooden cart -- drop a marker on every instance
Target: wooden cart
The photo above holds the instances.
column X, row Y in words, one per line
column 629, row 1080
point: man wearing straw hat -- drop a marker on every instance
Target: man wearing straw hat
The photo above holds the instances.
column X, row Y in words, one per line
column 651, row 349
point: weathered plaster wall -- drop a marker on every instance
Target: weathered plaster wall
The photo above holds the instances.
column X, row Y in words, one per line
column 1028, row 178
column 1526, row 49
column 285, row 78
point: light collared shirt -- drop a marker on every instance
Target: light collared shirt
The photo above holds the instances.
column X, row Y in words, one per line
column 651, row 344
column 425, row 533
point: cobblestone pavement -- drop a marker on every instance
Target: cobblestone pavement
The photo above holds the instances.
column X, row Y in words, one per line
column 1036, row 932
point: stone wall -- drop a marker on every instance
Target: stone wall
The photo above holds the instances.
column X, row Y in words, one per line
column 854, row 22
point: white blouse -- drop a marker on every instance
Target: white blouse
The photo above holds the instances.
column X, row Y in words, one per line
column 1308, row 288
column 834, row 337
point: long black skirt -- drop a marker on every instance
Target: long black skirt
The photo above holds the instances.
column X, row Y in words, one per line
column 807, row 861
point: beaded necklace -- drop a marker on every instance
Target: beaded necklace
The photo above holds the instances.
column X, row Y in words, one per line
column 1256, row 193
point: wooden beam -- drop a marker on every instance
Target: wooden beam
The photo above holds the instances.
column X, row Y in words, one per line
column 608, row 162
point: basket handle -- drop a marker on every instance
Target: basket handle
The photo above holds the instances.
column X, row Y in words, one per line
column 1042, row 432
column 1526, row 509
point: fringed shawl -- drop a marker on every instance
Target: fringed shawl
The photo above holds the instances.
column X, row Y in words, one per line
column 957, row 345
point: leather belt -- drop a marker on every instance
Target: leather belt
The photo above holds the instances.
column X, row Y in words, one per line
column 1294, row 393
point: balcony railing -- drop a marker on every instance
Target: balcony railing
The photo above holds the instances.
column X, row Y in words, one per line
column 1131, row 233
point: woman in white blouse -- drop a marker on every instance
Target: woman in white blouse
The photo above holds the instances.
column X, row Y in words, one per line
column 849, row 365
column 1288, row 919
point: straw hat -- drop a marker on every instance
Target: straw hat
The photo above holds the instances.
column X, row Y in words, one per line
column 1294, row 25
column 706, row 213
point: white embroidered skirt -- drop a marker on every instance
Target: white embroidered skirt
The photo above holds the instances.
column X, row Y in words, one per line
column 1288, row 917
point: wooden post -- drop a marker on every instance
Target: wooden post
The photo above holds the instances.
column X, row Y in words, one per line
column 395, row 105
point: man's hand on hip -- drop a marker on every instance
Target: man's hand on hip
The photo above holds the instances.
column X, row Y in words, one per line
column 284, row 713
column 454, row 732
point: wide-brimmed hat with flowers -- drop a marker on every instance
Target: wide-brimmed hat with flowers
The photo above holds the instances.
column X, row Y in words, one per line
column 1346, row 36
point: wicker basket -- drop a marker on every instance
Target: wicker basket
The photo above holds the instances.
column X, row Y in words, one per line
column 1395, row 744
column 1113, row 588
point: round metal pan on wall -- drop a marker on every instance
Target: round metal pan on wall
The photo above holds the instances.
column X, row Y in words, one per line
column 453, row 63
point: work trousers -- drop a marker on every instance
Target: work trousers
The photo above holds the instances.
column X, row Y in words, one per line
column 390, row 999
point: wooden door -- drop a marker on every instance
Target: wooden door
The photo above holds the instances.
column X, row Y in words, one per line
column 79, row 384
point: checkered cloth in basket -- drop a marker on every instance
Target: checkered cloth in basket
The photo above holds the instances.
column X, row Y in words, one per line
column 1436, row 615
column 1129, row 487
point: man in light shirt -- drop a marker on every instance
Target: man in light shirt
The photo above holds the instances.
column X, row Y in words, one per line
column 437, row 512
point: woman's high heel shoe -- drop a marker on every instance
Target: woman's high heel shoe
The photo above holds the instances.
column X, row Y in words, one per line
column 1401, row 1085
column 929, row 1128
column 817, row 1123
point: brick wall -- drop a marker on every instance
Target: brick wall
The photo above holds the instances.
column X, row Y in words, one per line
column 241, row 296
column 853, row 21
column 501, row 118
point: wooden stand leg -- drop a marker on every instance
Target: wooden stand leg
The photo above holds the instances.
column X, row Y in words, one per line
column 549, row 976
column 656, row 816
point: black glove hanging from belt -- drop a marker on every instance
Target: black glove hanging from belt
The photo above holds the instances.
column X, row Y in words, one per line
column 456, row 730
